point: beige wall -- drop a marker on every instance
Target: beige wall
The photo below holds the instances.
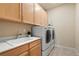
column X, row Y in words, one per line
column 63, row 19
column 77, row 26
column 11, row 28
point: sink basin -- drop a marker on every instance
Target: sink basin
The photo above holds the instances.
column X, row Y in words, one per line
column 4, row 46
column 15, row 42
column 20, row 41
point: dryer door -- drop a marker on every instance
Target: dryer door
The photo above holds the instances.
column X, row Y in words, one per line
column 48, row 36
column 53, row 34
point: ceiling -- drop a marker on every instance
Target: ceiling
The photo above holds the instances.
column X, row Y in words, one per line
column 48, row 6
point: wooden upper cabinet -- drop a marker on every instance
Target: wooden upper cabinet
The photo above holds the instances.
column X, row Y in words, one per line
column 38, row 14
column 27, row 12
column 44, row 21
column 10, row 11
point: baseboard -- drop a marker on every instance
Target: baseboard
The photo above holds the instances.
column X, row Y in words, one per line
column 70, row 48
column 74, row 49
column 77, row 49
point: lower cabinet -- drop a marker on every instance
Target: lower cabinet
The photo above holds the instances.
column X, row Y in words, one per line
column 15, row 51
column 29, row 49
column 35, row 51
column 26, row 53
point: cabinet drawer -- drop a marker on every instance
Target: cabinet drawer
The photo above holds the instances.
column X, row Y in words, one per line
column 16, row 51
column 34, row 43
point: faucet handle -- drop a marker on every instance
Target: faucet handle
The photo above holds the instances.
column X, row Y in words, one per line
column 18, row 35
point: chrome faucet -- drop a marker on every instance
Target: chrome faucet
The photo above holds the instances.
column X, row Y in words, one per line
column 18, row 35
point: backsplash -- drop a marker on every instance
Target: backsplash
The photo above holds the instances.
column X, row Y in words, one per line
column 13, row 28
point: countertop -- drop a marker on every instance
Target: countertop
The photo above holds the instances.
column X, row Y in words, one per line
column 13, row 43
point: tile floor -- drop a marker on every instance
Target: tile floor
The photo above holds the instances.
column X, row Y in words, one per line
column 58, row 51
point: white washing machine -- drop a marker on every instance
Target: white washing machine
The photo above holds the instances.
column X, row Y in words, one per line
column 46, row 35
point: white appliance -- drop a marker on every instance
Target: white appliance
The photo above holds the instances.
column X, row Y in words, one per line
column 46, row 35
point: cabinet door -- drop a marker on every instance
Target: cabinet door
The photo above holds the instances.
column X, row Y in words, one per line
column 34, row 43
column 44, row 19
column 27, row 12
column 36, row 51
column 10, row 11
column 38, row 14
column 24, row 54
